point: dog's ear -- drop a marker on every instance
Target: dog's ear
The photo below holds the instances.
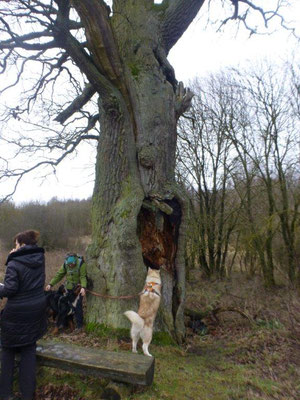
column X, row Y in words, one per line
column 62, row 289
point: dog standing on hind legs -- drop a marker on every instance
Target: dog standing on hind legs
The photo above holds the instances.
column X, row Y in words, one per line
column 143, row 320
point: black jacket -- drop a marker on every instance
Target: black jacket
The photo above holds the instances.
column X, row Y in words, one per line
column 23, row 320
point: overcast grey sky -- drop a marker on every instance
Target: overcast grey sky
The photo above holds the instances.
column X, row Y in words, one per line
column 198, row 52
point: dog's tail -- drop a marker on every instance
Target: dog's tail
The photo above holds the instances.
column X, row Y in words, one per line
column 135, row 319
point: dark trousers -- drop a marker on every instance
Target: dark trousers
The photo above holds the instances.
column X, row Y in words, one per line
column 79, row 313
column 26, row 371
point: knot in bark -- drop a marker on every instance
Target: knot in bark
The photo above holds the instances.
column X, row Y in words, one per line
column 147, row 155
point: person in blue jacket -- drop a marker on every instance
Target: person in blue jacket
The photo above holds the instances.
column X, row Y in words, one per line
column 23, row 320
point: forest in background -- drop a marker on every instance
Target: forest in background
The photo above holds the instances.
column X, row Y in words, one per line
column 62, row 224
column 238, row 162
column 238, row 157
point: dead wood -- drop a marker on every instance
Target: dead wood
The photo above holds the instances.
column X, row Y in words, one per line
column 196, row 315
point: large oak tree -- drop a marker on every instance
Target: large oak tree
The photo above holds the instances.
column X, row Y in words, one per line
column 139, row 212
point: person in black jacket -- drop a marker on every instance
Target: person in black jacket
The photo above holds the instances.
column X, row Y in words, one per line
column 23, row 320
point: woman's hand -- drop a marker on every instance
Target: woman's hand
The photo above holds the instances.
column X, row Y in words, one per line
column 18, row 245
column 47, row 288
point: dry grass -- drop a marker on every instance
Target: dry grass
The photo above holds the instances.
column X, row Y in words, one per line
column 270, row 345
column 54, row 260
column 3, row 257
column 277, row 308
column 234, row 360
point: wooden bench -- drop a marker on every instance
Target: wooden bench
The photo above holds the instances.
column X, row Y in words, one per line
column 131, row 368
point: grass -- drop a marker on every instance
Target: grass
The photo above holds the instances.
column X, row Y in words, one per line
column 104, row 332
column 235, row 360
column 215, row 369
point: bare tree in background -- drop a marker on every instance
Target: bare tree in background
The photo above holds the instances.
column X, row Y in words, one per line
column 139, row 211
column 237, row 158
column 204, row 164
column 266, row 142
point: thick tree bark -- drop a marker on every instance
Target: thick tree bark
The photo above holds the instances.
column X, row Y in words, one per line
column 138, row 210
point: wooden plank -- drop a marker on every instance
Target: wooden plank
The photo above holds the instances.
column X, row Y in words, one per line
column 118, row 366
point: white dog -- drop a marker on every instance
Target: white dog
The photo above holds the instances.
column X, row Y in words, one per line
column 143, row 320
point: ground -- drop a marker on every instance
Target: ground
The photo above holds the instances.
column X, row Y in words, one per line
column 232, row 358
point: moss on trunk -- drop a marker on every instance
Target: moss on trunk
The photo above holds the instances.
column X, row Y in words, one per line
column 138, row 210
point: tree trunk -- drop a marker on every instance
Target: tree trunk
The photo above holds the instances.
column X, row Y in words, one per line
column 139, row 212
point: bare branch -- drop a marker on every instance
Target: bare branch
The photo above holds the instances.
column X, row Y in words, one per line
column 178, row 17
column 67, row 144
column 82, row 59
column 100, row 38
column 76, row 104
column 19, row 41
column 266, row 15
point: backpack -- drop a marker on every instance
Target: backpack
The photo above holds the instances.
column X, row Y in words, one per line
column 80, row 258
